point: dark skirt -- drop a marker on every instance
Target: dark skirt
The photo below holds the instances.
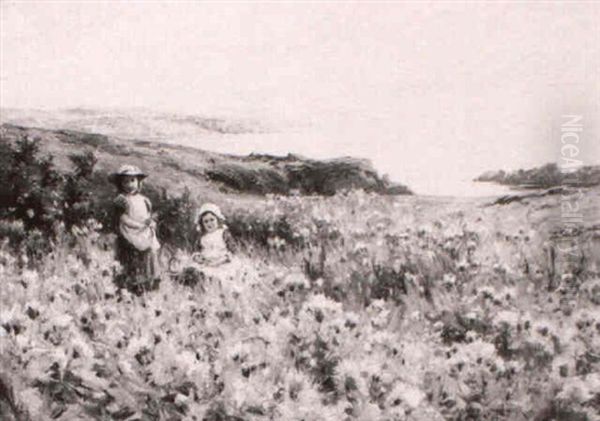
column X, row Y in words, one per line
column 139, row 268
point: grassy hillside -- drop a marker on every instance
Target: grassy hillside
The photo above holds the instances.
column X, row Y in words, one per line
column 210, row 174
column 544, row 177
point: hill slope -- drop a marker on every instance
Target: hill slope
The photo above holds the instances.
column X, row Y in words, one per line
column 130, row 123
column 175, row 167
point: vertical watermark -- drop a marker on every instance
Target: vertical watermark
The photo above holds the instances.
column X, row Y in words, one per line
column 571, row 217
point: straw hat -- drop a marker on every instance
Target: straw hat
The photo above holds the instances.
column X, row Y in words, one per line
column 209, row 207
column 125, row 170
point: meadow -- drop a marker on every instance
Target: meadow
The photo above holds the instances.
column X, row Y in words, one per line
column 351, row 307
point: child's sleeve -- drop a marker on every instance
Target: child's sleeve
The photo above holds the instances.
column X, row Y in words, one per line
column 119, row 208
column 148, row 205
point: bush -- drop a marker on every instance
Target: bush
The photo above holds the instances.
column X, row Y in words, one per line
column 248, row 228
column 13, row 232
column 77, row 190
column 31, row 193
column 175, row 215
column 38, row 202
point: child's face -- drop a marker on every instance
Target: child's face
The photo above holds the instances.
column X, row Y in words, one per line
column 209, row 221
column 130, row 184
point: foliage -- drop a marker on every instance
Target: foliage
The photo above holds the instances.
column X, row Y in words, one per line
column 39, row 202
column 263, row 231
column 396, row 318
column 546, row 176
column 31, row 192
column 264, row 174
column 176, row 220
column 78, row 190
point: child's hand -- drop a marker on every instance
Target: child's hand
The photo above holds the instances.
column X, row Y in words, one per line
column 198, row 258
column 175, row 264
column 216, row 261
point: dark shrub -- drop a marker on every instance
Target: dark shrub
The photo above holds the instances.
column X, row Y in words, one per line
column 176, row 219
column 78, row 191
column 249, row 228
column 31, row 193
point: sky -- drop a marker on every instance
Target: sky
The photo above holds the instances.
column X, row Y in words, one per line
column 433, row 93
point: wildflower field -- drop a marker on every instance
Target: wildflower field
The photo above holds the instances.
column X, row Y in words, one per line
column 352, row 307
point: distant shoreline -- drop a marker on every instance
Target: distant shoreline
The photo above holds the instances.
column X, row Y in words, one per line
column 543, row 177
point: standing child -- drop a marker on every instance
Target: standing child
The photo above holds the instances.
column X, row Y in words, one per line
column 137, row 245
column 215, row 240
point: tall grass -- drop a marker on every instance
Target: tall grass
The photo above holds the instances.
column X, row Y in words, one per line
column 355, row 307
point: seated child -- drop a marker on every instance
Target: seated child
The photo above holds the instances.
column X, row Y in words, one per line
column 137, row 245
column 215, row 242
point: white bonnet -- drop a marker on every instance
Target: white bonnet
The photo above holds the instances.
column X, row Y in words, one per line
column 209, row 207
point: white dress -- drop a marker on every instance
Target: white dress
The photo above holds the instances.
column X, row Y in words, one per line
column 213, row 246
column 138, row 208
